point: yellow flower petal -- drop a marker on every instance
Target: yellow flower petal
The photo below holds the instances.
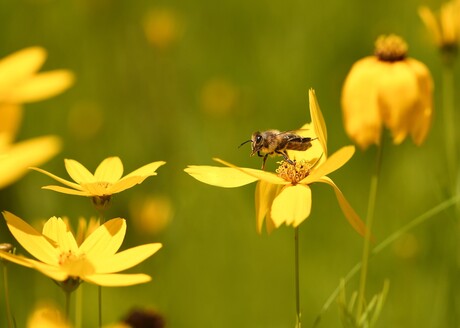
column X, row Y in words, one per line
column 52, row 271
column 10, row 121
column 24, row 154
column 126, row 259
column 332, row 163
column 42, row 86
column 258, row 174
column 20, row 65
column 431, row 23
column 32, row 241
column 66, row 190
column 318, row 120
column 347, row 210
column 126, row 183
column 77, row 172
column 292, row 205
column 56, row 230
column 398, row 94
column 361, row 113
column 421, row 121
column 146, row 170
column 21, row 260
column 219, row 176
column 110, row 170
column 117, row 280
column 105, row 240
column 55, row 177
column 265, row 194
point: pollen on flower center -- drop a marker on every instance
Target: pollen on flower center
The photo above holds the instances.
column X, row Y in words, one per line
column 390, row 48
column 293, row 172
column 67, row 257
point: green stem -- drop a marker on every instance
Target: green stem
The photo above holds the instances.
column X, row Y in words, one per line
column 449, row 123
column 7, row 296
column 99, row 297
column 67, row 305
column 78, row 309
column 297, row 280
column 367, row 237
column 386, row 242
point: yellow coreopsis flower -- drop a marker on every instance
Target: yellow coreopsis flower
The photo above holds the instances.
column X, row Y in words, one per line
column 388, row 89
column 285, row 196
column 20, row 83
column 96, row 260
column 106, row 180
column 444, row 26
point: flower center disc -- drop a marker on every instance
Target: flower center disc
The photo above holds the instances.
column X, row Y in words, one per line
column 293, row 172
column 390, row 48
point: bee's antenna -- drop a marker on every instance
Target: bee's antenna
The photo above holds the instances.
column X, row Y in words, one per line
column 245, row 143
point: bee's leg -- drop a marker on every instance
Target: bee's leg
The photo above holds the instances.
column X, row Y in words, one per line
column 260, row 155
column 286, row 158
column 263, row 162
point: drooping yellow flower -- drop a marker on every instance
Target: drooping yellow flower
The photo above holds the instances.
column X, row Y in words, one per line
column 443, row 26
column 106, row 181
column 96, row 260
column 285, row 196
column 388, row 89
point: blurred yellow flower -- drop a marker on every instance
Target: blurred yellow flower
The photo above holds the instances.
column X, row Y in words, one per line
column 444, row 26
column 20, row 82
column 388, row 89
column 47, row 316
column 151, row 214
column 285, row 196
column 162, row 27
column 106, row 181
column 62, row 259
column 219, row 97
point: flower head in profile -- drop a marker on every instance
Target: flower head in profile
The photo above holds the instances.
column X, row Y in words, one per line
column 444, row 27
column 388, row 90
column 106, row 180
column 59, row 256
column 285, row 196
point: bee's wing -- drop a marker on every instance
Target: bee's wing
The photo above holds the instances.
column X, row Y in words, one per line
column 313, row 153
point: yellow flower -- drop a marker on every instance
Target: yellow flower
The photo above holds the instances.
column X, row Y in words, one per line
column 285, row 196
column 96, row 260
column 106, row 181
column 47, row 316
column 444, row 26
column 20, row 82
column 388, row 89
column 16, row 158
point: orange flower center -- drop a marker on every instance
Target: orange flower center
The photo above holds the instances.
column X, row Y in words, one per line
column 293, row 172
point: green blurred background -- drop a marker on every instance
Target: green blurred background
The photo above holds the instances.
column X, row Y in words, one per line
column 185, row 81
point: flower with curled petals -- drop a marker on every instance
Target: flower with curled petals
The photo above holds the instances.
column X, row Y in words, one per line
column 96, row 260
column 285, row 196
column 388, row 90
column 106, row 180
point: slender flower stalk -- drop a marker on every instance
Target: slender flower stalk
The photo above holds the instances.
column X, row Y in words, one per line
column 297, row 277
column 9, row 316
column 369, row 223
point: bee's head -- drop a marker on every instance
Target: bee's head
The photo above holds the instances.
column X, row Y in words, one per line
column 256, row 142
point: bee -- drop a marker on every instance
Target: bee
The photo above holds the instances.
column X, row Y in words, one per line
column 276, row 143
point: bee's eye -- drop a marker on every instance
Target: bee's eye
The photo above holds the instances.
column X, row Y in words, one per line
column 258, row 139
